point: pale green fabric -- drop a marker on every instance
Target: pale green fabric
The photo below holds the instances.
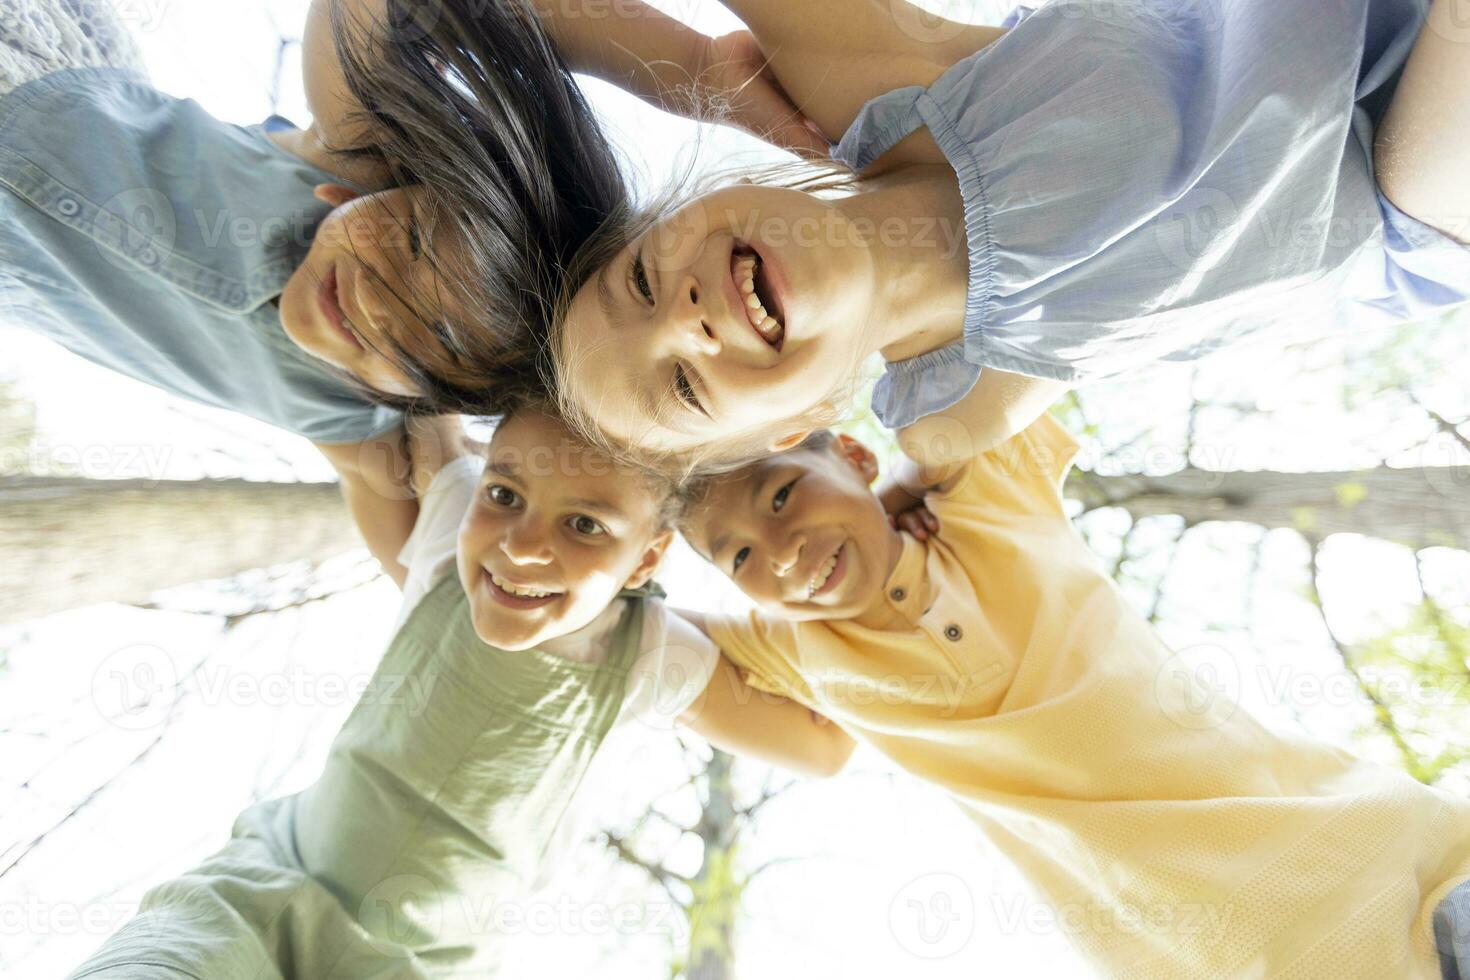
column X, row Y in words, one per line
column 410, row 854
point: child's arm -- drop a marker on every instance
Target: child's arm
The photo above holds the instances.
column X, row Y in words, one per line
column 734, row 716
column 383, row 477
column 375, row 483
column 434, row 441
column 676, row 68
column 625, row 42
column 832, row 56
column 1000, row 405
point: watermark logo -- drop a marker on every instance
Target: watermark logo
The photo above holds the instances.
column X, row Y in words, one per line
column 1450, row 20
column 932, row 24
column 401, row 912
column 676, row 242
column 141, row 16
column 137, row 226
column 1446, row 467
column 933, row 916
column 136, row 687
column 1186, row 234
column 1198, row 687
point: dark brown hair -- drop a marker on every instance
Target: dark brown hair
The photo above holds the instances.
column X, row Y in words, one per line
column 470, row 101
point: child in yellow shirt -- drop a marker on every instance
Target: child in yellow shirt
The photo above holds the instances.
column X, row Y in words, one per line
column 998, row 660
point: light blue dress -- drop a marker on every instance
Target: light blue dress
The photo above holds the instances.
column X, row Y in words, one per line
column 1153, row 180
column 143, row 234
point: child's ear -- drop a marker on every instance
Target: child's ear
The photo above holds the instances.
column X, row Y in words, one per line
column 859, row 456
column 334, row 195
column 652, row 558
column 789, row 441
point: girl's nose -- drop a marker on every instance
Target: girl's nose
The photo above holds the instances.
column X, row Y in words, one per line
column 525, row 545
column 369, row 291
column 692, row 320
column 785, row 559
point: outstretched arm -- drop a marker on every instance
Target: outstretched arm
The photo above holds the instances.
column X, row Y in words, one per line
column 627, row 43
column 434, row 441
column 733, row 716
column 1421, row 153
column 375, row 477
column 383, row 478
column 832, row 56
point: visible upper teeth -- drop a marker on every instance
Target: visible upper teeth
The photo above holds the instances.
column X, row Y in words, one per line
column 768, row 326
column 823, row 574
column 520, row 590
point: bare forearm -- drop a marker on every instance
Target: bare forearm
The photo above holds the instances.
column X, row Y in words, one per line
column 434, row 441
column 385, row 524
column 629, row 44
column 375, row 477
column 832, row 56
column 735, row 717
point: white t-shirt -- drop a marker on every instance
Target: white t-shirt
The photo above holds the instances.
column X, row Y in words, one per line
column 673, row 666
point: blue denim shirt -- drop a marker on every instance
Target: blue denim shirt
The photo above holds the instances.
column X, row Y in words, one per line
column 149, row 237
column 1153, row 180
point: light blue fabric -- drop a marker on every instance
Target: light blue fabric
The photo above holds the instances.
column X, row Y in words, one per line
column 1452, row 933
column 1155, row 179
column 143, row 234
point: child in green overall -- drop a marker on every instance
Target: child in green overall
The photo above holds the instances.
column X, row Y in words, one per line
column 443, row 794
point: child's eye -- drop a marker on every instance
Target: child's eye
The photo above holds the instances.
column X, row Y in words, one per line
column 585, row 525
column 640, row 277
column 779, row 500
column 684, row 390
column 740, row 557
column 501, row 495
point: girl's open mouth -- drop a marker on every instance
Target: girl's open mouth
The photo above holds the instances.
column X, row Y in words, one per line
column 331, row 306
column 829, row 573
column 515, row 596
column 763, row 307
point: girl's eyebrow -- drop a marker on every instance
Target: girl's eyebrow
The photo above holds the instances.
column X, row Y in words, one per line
column 503, row 469
column 601, row 508
column 657, row 407
column 757, row 486
column 606, row 302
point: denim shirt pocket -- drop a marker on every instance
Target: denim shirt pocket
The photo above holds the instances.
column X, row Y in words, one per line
column 137, row 230
column 164, row 190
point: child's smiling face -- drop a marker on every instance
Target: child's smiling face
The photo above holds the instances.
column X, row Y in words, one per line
column 801, row 533
column 556, row 529
column 742, row 311
column 368, row 279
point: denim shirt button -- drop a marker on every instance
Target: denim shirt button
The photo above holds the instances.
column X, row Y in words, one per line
column 237, row 295
column 68, row 206
column 147, row 256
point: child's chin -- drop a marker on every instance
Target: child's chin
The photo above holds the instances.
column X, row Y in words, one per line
column 504, row 633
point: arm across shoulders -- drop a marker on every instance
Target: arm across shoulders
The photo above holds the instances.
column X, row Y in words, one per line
column 766, row 650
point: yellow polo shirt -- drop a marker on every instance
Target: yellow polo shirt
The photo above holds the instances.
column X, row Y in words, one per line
column 1169, row 833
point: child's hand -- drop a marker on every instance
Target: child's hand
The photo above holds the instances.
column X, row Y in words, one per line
column 906, row 511
column 917, row 520
column 734, row 71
